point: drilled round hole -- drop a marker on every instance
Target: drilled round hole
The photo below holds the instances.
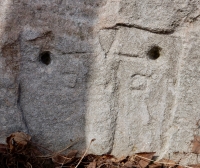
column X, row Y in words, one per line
column 154, row 52
column 45, row 57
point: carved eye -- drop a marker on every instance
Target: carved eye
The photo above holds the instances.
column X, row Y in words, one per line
column 45, row 57
column 154, row 52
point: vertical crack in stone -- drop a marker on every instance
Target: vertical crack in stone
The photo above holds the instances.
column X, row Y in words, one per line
column 21, row 109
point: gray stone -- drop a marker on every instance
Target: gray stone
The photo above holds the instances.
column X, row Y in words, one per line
column 125, row 72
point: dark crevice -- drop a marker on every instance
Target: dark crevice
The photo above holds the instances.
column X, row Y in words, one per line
column 21, row 110
column 137, row 74
column 156, row 30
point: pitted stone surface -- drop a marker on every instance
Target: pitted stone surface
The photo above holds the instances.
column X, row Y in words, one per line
column 125, row 72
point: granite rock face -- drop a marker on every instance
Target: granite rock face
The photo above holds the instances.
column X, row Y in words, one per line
column 125, row 72
column 46, row 52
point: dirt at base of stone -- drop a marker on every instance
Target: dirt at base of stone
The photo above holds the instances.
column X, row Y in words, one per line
column 20, row 152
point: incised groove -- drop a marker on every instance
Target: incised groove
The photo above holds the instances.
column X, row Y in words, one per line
column 128, row 55
column 43, row 36
column 114, row 104
column 21, row 109
column 77, row 52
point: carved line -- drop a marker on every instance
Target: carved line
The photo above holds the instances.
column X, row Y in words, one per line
column 20, row 108
column 156, row 30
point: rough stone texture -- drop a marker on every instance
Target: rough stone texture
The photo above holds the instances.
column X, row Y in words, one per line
column 46, row 101
column 122, row 71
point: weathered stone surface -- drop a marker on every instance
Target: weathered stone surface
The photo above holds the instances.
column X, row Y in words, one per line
column 46, row 52
column 122, row 71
